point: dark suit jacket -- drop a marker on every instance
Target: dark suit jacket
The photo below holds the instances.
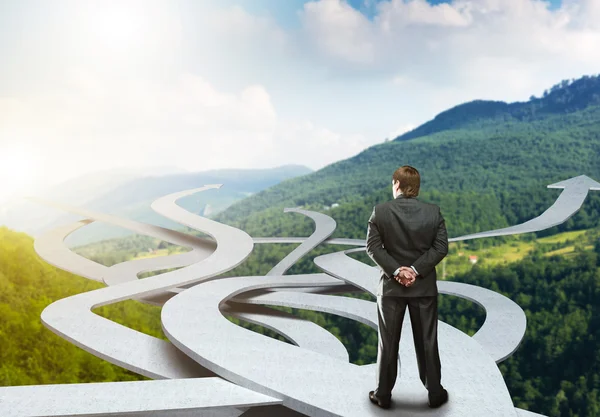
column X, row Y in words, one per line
column 405, row 232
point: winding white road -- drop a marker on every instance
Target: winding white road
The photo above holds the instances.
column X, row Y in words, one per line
column 208, row 350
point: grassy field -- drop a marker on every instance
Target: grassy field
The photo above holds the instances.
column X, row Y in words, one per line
column 561, row 244
column 563, row 237
column 457, row 261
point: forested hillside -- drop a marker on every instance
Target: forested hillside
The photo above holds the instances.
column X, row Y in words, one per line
column 487, row 163
column 32, row 354
column 556, row 280
column 568, row 96
column 556, row 370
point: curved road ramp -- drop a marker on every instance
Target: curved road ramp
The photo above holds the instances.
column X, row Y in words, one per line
column 215, row 368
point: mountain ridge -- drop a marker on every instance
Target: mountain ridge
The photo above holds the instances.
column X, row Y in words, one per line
column 504, row 155
column 131, row 196
column 565, row 97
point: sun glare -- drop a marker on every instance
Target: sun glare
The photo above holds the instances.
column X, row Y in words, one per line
column 18, row 171
column 116, row 26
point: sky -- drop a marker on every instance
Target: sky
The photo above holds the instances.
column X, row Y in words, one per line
column 197, row 84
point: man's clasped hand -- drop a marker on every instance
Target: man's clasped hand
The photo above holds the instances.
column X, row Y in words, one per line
column 406, row 276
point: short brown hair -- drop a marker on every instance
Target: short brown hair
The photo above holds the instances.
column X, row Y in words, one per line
column 409, row 179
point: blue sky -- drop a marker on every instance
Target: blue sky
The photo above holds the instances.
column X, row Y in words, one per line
column 87, row 85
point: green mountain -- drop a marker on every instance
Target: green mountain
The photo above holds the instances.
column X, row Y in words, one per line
column 130, row 193
column 564, row 97
column 133, row 198
column 30, row 218
column 476, row 160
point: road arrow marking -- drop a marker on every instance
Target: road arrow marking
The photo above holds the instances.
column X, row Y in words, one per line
column 567, row 204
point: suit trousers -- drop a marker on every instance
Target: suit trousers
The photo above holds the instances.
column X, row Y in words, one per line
column 424, row 318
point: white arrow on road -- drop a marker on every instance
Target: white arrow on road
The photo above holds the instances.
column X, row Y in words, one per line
column 567, row 204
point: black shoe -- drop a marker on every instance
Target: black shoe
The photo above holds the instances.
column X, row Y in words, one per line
column 438, row 400
column 383, row 403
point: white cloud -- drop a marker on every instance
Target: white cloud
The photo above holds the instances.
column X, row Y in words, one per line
column 205, row 86
column 315, row 146
column 93, row 116
column 100, row 123
column 339, row 30
column 507, row 49
column 238, row 24
column 233, row 43
column 396, row 15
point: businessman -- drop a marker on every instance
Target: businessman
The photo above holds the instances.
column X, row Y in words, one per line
column 407, row 238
